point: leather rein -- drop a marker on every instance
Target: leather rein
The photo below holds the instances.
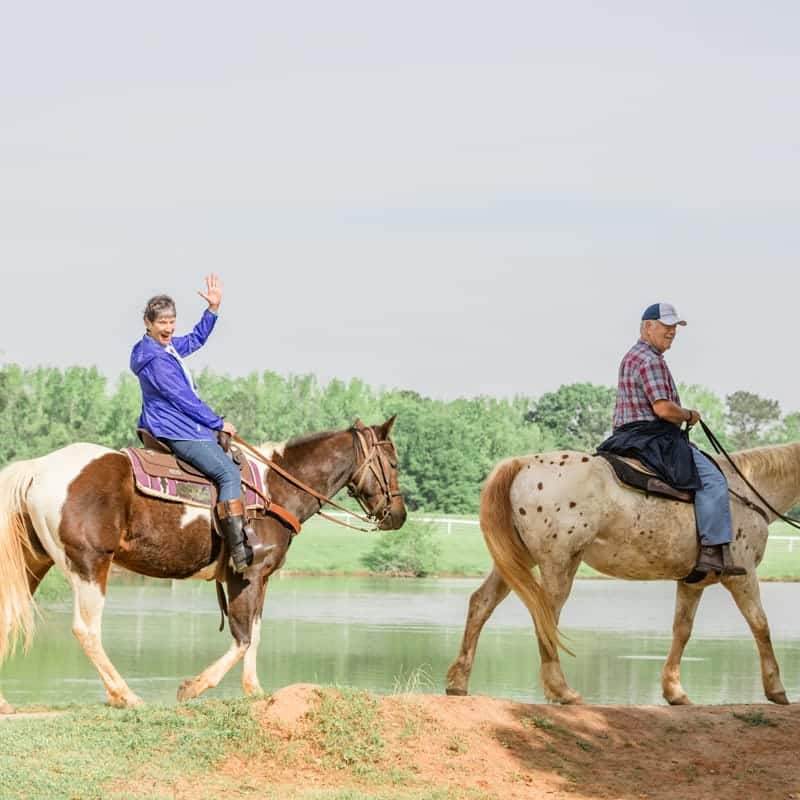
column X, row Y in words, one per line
column 715, row 443
column 375, row 460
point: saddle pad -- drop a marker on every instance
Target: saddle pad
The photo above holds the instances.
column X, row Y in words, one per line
column 634, row 474
column 158, row 475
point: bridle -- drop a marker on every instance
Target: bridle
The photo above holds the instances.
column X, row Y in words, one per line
column 376, row 460
column 379, row 458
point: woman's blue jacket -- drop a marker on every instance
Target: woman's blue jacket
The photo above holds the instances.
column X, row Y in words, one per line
column 170, row 407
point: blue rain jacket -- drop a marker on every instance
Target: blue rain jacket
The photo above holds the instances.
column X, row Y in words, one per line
column 170, row 407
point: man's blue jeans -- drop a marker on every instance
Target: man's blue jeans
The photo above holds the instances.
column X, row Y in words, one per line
column 212, row 461
column 712, row 506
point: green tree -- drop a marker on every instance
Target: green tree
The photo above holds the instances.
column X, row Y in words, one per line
column 578, row 415
column 750, row 417
column 789, row 429
column 412, row 551
column 712, row 408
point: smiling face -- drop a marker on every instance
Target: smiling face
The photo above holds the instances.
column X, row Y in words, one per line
column 659, row 335
column 161, row 329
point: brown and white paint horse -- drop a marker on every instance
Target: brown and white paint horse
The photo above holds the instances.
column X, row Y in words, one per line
column 77, row 508
column 557, row 509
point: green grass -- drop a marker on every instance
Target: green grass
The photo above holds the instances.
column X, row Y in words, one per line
column 84, row 752
column 98, row 752
column 348, row 730
column 324, row 547
column 754, row 719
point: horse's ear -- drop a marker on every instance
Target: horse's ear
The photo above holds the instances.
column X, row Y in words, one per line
column 388, row 425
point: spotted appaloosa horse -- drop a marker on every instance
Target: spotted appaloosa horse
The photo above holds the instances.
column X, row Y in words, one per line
column 77, row 508
column 557, row 509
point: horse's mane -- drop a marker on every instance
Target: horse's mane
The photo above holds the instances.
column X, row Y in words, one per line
column 309, row 438
column 769, row 463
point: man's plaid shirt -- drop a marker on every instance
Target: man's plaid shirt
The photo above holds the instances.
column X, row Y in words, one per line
column 644, row 377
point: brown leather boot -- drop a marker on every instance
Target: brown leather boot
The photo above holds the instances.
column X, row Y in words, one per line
column 231, row 521
column 714, row 558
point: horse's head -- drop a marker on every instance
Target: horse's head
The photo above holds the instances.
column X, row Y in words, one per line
column 374, row 480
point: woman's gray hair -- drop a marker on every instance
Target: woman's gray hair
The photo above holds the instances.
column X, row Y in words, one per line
column 162, row 305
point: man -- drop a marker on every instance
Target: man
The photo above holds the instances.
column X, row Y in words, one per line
column 647, row 425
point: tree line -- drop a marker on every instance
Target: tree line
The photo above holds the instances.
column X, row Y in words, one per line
column 446, row 448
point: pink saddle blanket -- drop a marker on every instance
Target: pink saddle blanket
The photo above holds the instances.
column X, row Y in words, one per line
column 158, row 475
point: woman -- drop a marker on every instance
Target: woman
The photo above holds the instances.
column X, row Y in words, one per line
column 173, row 412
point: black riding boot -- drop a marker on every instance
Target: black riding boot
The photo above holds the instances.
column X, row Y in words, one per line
column 714, row 558
column 231, row 521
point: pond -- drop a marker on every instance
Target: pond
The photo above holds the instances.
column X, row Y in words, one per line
column 386, row 635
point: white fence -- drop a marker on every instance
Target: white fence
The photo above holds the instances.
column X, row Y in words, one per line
column 775, row 544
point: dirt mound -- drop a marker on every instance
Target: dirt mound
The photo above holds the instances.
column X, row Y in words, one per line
column 418, row 746
column 288, row 706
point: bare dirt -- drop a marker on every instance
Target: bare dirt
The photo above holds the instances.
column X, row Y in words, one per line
column 480, row 747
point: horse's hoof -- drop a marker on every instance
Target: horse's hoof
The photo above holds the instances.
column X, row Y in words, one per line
column 186, row 691
column 453, row 692
column 571, row 699
column 680, row 700
column 126, row 701
column 7, row 708
column 779, row 697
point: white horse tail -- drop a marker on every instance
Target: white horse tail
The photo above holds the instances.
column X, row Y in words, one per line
column 511, row 558
column 16, row 602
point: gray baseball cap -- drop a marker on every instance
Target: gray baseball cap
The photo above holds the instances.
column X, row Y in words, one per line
column 663, row 312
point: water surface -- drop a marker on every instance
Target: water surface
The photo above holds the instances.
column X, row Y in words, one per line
column 384, row 634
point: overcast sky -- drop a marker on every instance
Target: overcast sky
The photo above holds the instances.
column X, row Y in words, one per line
column 458, row 198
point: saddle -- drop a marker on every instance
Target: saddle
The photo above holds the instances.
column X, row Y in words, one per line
column 158, row 473
column 633, row 473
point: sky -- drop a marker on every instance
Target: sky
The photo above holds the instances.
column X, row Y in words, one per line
column 458, row 198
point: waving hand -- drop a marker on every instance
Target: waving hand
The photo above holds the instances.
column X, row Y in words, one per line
column 213, row 292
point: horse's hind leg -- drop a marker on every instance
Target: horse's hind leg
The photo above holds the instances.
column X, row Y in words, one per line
column 687, row 598
column 86, row 625
column 482, row 603
column 557, row 579
column 747, row 595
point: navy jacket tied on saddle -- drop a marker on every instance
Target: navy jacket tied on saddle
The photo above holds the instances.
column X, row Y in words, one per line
column 659, row 445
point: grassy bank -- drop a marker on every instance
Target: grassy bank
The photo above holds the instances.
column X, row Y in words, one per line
column 314, row 743
column 323, row 547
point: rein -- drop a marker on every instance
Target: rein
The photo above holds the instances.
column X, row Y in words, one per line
column 715, row 443
column 370, row 449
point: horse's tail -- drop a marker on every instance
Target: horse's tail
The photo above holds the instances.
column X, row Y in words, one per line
column 16, row 602
column 511, row 558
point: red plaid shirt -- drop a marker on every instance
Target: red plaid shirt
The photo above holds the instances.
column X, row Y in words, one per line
column 644, row 377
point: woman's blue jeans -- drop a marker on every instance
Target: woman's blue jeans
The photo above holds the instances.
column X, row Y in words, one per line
column 712, row 506
column 207, row 456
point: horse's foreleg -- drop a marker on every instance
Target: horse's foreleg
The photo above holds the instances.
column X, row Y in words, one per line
column 747, row 595
column 482, row 603
column 245, row 599
column 250, row 682
column 213, row 674
column 86, row 625
column 687, row 598
column 557, row 579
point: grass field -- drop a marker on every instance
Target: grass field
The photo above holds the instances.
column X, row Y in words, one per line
column 325, row 547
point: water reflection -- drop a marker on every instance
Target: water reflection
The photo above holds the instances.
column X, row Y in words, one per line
column 377, row 634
